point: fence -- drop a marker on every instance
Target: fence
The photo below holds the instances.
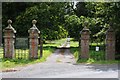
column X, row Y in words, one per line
column 21, row 48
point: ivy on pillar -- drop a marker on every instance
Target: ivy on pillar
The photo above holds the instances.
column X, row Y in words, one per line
column 85, row 36
column 110, row 44
column 33, row 41
column 9, row 35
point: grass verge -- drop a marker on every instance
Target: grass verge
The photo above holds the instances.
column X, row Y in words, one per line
column 11, row 63
column 48, row 48
column 95, row 57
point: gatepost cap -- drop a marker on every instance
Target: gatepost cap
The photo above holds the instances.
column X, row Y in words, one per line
column 9, row 21
column 34, row 21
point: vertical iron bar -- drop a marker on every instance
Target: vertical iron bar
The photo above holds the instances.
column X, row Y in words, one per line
column 18, row 53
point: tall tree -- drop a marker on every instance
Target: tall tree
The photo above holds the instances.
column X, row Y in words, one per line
column 50, row 17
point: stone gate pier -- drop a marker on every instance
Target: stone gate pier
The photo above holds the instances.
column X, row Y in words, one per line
column 85, row 36
column 110, row 44
column 9, row 35
column 33, row 41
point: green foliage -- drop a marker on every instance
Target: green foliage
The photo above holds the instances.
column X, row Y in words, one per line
column 73, row 25
column 58, row 20
column 81, row 9
column 95, row 56
column 49, row 16
column 90, row 60
column 100, row 15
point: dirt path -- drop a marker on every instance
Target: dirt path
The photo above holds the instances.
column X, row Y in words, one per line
column 61, row 56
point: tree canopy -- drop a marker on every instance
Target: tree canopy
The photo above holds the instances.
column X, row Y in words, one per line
column 56, row 20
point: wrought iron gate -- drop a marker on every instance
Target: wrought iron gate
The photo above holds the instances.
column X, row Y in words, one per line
column 22, row 48
column 97, row 49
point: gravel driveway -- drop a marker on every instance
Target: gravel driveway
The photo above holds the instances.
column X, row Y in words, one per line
column 61, row 64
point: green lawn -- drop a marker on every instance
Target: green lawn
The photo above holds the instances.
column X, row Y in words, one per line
column 9, row 63
column 48, row 48
column 55, row 43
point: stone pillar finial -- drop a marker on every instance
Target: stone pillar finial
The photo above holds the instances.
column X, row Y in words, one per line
column 9, row 23
column 85, row 25
column 34, row 22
